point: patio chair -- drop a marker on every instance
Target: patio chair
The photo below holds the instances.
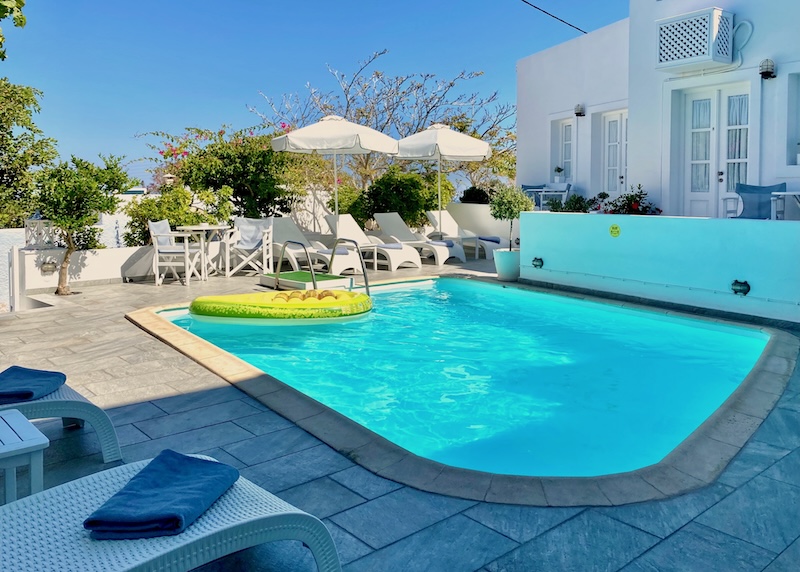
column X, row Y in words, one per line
column 171, row 249
column 450, row 229
column 44, row 531
column 251, row 237
column 756, row 201
column 74, row 409
column 393, row 226
column 392, row 255
column 543, row 193
column 285, row 229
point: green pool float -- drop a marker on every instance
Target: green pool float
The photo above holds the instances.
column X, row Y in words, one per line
column 285, row 305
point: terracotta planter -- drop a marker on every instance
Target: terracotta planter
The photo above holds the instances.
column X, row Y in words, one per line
column 506, row 262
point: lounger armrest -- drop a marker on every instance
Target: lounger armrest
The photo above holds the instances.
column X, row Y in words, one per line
column 377, row 240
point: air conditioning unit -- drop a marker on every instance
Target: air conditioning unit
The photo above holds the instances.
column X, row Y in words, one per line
column 698, row 40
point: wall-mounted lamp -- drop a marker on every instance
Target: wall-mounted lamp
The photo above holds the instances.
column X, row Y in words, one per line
column 579, row 110
column 48, row 267
column 537, row 262
column 740, row 288
column 767, row 69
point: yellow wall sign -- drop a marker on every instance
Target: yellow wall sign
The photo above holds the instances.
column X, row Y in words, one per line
column 613, row 230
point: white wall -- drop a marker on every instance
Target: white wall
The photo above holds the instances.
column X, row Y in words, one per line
column 651, row 93
column 591, row 70
column 659, row 258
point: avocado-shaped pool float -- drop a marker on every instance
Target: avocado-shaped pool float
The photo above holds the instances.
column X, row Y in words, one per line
column 285, row 305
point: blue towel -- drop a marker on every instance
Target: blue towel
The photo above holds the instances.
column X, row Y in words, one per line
column 162, row 499
column 392, row 245
column 447, row 243
column 490, row 239
column 339, row 250
column 23, row 384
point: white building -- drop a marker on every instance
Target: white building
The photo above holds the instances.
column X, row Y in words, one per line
column 672, row 99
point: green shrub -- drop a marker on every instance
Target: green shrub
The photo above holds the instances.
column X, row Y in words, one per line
column 577, row 204
column 403, row 193
column 635, row 202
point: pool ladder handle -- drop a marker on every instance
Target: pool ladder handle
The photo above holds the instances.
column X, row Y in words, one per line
column 311, row 266
column 360, row 258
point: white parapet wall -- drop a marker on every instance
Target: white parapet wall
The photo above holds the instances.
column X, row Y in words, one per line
column 681, row 260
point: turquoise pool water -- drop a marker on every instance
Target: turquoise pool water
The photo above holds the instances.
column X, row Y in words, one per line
column 505, row 380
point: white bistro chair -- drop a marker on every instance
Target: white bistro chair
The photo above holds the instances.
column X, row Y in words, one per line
column 171, row 249
column 251, row 245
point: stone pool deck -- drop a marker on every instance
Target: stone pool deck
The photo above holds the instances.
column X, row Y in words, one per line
column 158, row 398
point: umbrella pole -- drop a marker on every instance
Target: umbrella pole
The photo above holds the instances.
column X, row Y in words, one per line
column 439, row 181
column 335, row 186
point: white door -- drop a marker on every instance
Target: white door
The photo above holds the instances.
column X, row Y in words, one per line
column 615, row 153
column 717, row 127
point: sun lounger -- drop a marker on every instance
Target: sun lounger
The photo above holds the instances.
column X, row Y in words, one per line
column 449, row 228
column 391, row 255
column 74, row 409
column 44, row 531
column 393, row 226
column 285, row 229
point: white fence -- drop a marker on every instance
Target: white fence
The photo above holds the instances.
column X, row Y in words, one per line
column 690, row 261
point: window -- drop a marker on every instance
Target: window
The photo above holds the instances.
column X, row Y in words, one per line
column 566, row 150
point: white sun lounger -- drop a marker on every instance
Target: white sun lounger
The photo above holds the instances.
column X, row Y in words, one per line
column 393, row 226
column 450, row 229
column 345, row 226
column 285, row 229
column 74, row 409
column 44, row 531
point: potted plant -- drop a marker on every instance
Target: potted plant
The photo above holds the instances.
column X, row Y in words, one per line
column 507, row 203
column 558, row 170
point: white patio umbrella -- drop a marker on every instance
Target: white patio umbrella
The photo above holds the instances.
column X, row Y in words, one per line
column 440, row 142
column 334, row 135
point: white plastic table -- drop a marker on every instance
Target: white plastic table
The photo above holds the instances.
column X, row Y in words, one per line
column 21, row 444
column 205, row 233
column 780, row 197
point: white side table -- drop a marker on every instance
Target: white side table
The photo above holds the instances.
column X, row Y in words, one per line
column 21, row 444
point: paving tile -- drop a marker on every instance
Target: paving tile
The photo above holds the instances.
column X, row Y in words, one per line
column 754, row 458
column 780, row 429
column 193, row 400
column 756, row 512
column 188, row 442
column 697, row 548
column 662, row 518
column 625, row 489
column 195, row 418
column 134, row 412
column 670, row 480
column 297, row 468
column 321, row 497
column 511, row 488
column 283, row 556
column 272, row 445
column 787, row 469
column 348, row 546
column 263, row 423
column 220, row 455
column 519, row 523
column 573, row 492
column 365, row 483
column 587, row 543
column 396, row 515
column 469, row 547
column 787, row 560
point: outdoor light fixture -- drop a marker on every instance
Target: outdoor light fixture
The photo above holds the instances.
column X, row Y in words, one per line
column 579, row 110
column 48, row 267
column 740, row 288
column 767, row 69
column 537, row 262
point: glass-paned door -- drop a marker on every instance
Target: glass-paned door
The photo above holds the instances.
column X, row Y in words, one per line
column 566, row 150
column 615, row 152
column 716, row 155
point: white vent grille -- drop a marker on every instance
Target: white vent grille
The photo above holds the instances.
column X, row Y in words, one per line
column 702, row 39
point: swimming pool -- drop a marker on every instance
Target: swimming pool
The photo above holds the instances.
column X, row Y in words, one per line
column 505, row 380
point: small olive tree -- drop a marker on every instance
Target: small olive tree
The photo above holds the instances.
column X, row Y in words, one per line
column 507, row 203
column 73, row 195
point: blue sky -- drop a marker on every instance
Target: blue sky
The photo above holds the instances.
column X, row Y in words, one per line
column 112, row 69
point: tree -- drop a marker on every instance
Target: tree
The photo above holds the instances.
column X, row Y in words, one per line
column 72, row 195
column 22, row 149
column 11, row 8
column 400, row 106
column 506, row 204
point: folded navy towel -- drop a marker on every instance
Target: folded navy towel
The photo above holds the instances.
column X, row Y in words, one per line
column 392, row 245
column 23, row 384
column 339, row 250
column 447, row 243
column 490, row 239
column 162, row 499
